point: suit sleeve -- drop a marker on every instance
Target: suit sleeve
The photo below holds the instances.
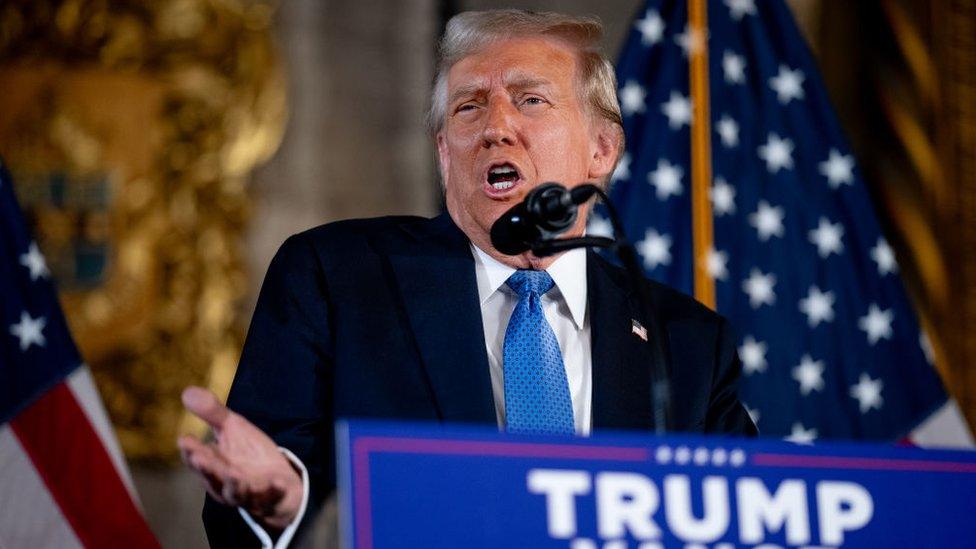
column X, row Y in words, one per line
column 726, row 414
column 283, row 383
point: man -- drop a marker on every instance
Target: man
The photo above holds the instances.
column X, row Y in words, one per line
column 423, row 319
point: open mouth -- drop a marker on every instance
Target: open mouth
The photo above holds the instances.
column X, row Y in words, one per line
column 502, row 177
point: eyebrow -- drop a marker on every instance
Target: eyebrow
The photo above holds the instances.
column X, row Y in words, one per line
column 516, row 80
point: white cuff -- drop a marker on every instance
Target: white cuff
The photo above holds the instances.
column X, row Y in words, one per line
column 289, row 531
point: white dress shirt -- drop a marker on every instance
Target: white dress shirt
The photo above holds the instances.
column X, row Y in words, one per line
column 564, row 308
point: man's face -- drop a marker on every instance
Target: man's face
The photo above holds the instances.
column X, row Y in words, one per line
column 514, row 121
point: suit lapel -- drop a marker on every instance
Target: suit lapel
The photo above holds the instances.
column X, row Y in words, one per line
column 621, row 360
column 434, row 271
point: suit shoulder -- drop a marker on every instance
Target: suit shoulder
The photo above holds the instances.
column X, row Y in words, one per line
column 349, row 236
column 671, row 304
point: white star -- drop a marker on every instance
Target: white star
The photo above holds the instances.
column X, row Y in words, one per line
column 867, row 392
column 598, row 226
column 29, row 331
column 788, row 84
column 768, row 220
column 753, row 355
column 818, row 306
column 651, row 28
column 876, row 324
column 632, row 98
column 690, row 40
column 827, row 238
column 622, row 171
column 678, row 110
column 728, row 130
column 34, row 262
column 723, row 197
column 715, row 264
column 778, row 153
column 760, row 288
column 883, row 255
column 738, row 8
column 800, row 435
column 655, row 249
column 734, row 67
column 838, row 169
column 809, row 374
column 666, row 178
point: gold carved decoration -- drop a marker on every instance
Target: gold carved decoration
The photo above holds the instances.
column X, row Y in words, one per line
column 131, row 127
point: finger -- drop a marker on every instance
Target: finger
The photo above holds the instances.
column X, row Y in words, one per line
column 207, row 462
column 205, row 405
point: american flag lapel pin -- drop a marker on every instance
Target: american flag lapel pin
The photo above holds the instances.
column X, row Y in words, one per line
column 638, row 329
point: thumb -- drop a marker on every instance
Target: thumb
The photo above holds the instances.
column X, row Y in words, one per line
column 205, row 405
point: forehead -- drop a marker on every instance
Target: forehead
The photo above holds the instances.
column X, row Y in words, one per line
column 515, row 59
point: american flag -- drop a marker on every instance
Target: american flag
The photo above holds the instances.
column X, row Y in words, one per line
column 829, row 343
column 63, row 480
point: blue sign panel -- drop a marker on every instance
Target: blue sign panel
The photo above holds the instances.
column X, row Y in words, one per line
column 412, row 486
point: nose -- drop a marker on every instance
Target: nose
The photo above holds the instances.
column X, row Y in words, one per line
column 500, row 125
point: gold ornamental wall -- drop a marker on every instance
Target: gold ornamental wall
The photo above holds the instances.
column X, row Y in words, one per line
column 130, row 128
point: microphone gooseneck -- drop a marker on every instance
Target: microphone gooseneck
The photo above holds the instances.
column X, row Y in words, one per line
column 546, row 212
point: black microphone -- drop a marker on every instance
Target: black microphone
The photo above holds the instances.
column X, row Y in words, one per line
column 546, row 212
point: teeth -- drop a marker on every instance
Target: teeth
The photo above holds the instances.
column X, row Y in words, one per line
column 502, row 185
column 502, row 170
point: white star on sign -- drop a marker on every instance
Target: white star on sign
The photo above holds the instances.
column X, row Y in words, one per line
column 760, row 288
column 666, row 178
column 632, row 98
column 622, row 171
column 818, row 306
column 29, row 331
column 778, row 153
column 734, row 67
column 651, row 28
column 678, row 110
column 34, row 262
column 801, row 435
column 723, row 197
column 809, row 374
column 768, row 220
column 883, row 255
column 598, row 226
column 867, row 393
column 715, row 264
column 655, row 249
column 876, row 324
column 690, row 40
column 728, row 130
column 788, row 84
column 827, row 238
column 753, row 355
column 738, row 8
column 838, row 169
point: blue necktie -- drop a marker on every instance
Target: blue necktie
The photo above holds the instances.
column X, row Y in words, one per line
column 536, row 390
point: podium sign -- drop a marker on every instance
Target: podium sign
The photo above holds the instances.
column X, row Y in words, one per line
column 405, row 485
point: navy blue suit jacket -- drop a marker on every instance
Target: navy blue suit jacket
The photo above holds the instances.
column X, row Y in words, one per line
column 380, row 318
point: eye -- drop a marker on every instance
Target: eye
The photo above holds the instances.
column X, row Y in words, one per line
column 533, row 100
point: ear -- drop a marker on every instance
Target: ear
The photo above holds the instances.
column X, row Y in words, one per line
column 443, row 157
column 605, row 149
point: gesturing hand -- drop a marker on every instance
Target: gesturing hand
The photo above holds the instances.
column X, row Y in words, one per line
column 243, row 467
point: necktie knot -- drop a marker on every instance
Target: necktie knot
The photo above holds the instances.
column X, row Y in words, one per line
column 527, row 283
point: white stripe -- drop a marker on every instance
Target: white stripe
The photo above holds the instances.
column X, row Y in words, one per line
column 29, row 517
column 83, row 386
column 946, row 428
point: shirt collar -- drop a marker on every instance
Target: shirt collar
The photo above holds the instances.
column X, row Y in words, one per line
column 568, row 271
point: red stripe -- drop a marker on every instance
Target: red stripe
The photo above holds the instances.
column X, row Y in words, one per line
column 79, row 473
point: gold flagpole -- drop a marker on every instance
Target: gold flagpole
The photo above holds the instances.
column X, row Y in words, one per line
column 701, row 151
